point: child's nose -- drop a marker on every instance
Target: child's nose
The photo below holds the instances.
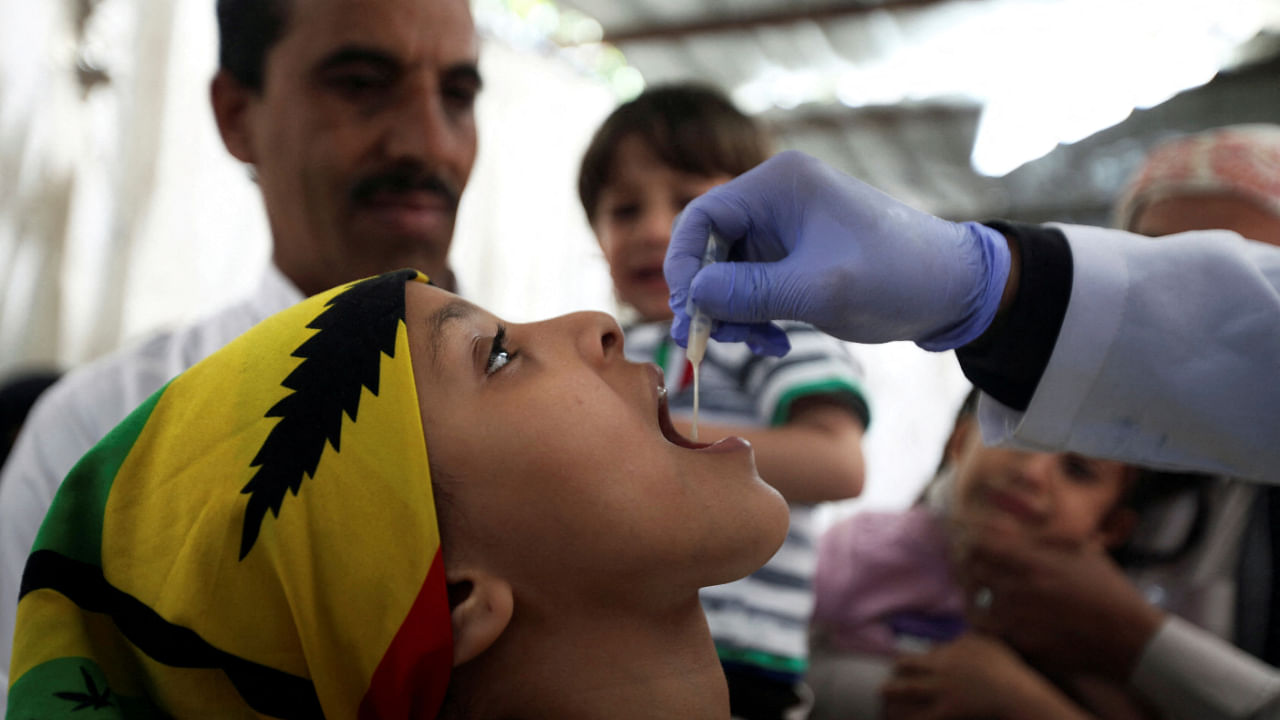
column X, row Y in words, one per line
column 657, row 225
column 599, row 338
column 1036, row 469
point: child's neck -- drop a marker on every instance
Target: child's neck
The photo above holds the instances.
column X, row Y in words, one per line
column 583, row 665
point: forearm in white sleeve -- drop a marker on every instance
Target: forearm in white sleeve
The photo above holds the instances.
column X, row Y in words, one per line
column 1168, row 356
column 1189, row 674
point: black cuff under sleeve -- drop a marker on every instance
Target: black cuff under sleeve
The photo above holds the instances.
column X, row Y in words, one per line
column 1008, row 360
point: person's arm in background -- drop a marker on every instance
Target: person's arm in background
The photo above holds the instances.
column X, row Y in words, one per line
column 1072, row 610
column 1160, row 354
column 815, row 456
column 812, row 413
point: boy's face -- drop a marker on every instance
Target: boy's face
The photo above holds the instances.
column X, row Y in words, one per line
column 633, row 219
column 1059, row 496
column 563, row 472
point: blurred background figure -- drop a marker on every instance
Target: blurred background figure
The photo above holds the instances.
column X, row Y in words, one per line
column 1208, row 554
column 891, row 633
column 1226, row 532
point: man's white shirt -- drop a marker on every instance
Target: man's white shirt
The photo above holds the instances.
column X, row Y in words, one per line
column 74, row 414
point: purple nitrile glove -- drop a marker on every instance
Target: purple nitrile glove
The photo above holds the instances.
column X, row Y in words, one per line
column 809, row 243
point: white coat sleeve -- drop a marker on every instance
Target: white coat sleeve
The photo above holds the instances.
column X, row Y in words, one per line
column 1168, row 355
column 1187, row 673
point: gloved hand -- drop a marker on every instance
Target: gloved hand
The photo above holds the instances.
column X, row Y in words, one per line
column 809, row 243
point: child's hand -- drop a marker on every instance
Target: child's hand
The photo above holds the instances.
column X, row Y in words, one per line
column 977, row 676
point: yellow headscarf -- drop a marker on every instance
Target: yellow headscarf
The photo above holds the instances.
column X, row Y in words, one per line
column 258, row 539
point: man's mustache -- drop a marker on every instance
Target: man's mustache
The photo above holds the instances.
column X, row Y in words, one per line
column 403, row 179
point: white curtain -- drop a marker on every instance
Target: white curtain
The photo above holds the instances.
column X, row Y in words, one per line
column 38, row 104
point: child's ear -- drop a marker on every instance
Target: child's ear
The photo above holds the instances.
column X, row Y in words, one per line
column 481, row 605
column 1117, row 526
column 597, row 229
column 960, row 436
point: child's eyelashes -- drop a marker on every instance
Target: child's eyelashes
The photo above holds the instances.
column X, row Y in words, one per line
column 499, row 355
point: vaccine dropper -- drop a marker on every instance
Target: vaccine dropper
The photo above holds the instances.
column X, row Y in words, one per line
column 700, row 324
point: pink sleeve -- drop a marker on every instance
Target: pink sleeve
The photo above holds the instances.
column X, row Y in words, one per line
column 874, row 565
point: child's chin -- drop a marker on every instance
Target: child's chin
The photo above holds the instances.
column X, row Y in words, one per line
column 756, row 540
column 775, row 520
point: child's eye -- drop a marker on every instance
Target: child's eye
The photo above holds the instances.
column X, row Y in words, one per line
column 1078, row 467
column 499, row 356
column 625, row 211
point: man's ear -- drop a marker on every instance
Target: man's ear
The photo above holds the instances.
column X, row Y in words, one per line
column 231, row 102
column 481, row 605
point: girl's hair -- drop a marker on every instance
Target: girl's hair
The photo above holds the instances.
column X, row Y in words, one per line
column 692, row 128
column 1154, row 490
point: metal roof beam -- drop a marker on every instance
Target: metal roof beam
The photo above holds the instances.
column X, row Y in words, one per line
column 740, row 22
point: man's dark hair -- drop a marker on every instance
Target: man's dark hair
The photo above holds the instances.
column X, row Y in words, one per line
column 692, row 128
column 247, row 30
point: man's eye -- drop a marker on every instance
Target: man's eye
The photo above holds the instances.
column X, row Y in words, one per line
column 460, row 96
column 358, row 84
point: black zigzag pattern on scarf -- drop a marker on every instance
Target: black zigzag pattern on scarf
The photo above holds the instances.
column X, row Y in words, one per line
column 265, row 689
column 356, row 328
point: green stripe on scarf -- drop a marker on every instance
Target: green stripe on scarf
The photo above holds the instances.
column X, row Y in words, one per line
column 75, row 687
column 73, row 526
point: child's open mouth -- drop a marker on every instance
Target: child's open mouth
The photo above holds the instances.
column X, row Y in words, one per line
column 668, row 430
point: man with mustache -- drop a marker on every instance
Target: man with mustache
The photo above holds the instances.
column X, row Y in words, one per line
column 357, row 119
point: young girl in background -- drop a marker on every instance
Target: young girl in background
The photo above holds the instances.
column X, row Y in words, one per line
column 891, row 633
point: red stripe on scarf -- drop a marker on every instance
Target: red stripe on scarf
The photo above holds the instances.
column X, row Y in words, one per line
column 411, row 679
